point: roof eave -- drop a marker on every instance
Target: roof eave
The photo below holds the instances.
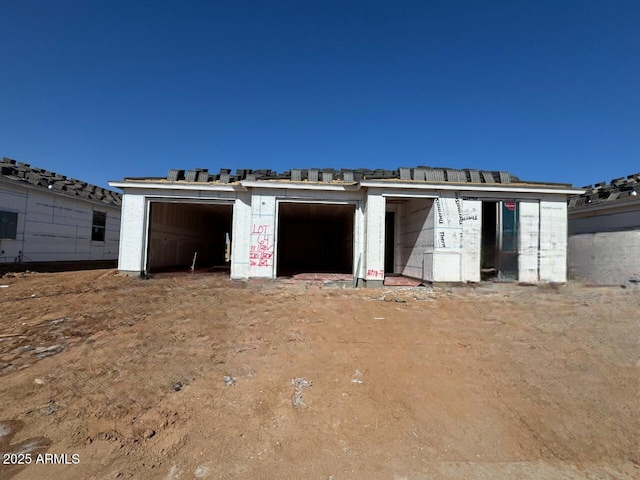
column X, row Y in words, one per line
column 497, row 187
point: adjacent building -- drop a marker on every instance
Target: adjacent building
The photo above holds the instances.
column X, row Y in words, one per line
column 431, row 224
column 47, row 217
column 604, row 232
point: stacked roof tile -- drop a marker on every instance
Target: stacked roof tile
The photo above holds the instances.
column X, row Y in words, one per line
column 618, row 190
column 26, row 174
column 328, row 175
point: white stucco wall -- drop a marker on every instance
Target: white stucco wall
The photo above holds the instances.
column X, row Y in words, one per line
column 54, row 227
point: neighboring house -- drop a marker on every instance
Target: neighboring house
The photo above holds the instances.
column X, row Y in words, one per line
column 604, row 232
column 47, row 217
column 432, row 224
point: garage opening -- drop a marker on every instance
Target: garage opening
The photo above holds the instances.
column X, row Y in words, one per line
column 189, row 235
column 315, row 238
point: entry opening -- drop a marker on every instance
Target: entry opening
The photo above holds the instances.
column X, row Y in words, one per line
column 315, row 238
column 409, row 243
column 186, row 235
column 489, row 241
column 499, row 247
column 389, row 243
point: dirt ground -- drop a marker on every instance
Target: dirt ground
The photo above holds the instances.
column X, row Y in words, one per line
column 190, row 376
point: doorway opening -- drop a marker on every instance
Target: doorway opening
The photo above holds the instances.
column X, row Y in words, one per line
column 389, row 242
column 499, row 241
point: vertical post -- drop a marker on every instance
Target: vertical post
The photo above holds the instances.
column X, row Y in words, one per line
column 375, row 222
column 132, row 234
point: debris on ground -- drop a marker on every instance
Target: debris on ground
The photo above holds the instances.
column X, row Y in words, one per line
column 51, row 408
column 357, row 377
column 298, row 385
column 229, row 380
column 177, row 386
column 43, row 352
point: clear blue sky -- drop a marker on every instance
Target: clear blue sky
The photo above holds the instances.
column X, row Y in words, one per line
column 103, row 89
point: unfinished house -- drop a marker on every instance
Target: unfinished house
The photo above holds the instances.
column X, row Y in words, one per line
column 604, row 233
column 427, row 224
column 47, row 217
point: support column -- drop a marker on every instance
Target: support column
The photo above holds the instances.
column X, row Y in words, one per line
column 553, row 240
column 241, row 236
column 471, row 238
column 375, row 225
column 448, row 238
column 262, row 248
column 528, row 240
column 133, row 234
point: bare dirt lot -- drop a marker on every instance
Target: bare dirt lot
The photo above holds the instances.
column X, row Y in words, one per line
column 190, row 376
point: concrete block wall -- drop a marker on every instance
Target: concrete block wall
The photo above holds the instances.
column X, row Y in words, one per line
column 605, row 258
column 54, row 227
column 604, row 244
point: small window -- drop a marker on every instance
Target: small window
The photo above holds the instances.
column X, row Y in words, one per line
column 8, row 225
column 98, row 228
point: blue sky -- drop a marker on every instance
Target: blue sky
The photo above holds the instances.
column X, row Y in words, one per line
column 100, row 90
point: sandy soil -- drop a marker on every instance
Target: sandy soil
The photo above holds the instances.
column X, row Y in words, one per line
column 493, row 382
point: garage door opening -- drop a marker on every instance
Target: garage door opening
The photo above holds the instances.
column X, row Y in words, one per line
column 182, row 232
column 315, row 238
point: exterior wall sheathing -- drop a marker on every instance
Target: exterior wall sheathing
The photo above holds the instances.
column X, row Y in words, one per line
column 438, row 233
column 53, row 227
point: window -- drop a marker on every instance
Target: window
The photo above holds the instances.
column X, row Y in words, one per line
column 98, row 228
column 8, row 225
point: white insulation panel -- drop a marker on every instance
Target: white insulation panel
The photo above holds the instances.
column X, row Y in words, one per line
column 528, row 240
column 415, row 234
column 132, row 234
column 262, row 234
column 448, row 238
column 553, row 241
column 471, row 237
column 375, row 213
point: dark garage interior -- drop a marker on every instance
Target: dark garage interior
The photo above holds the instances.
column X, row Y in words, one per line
column 178, row 230
column 314, row 237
